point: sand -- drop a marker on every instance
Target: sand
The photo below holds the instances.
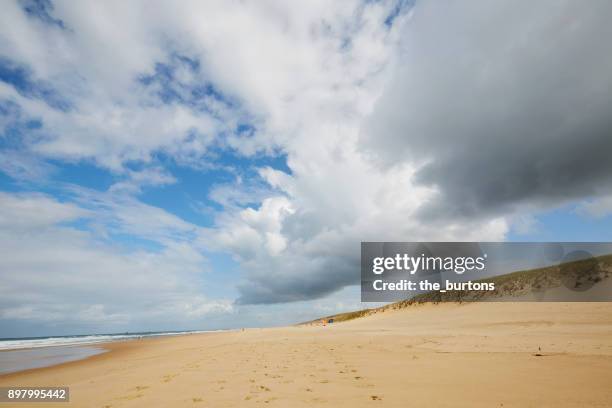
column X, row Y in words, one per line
column 449, row 355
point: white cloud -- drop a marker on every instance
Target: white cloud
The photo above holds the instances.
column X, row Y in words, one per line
column 24, row 166
column 596, row 208
column 52, row 272
column 150, row 176
column 333, row 200
column 35, row 211
column 283, row 64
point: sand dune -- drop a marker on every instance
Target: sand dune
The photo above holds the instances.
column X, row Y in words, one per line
column 446, row 355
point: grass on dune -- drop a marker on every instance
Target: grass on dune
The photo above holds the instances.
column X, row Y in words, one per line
column 580, row 272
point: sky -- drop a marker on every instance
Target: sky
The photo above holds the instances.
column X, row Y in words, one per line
column 203, row 165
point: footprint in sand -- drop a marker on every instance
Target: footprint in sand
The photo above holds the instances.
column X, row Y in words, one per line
column 318, row 399
column 168, row 377
column 130, row 397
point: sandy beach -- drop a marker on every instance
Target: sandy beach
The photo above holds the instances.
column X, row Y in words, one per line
column 448, row 355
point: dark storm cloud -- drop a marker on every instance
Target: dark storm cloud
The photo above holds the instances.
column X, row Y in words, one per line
column 501, row 103
column 307, row 276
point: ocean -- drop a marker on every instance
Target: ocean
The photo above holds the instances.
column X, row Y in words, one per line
column 17, row 354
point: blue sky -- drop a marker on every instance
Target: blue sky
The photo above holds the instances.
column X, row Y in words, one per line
column 217, row 165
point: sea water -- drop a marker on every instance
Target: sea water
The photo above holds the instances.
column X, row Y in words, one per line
column 18, row 354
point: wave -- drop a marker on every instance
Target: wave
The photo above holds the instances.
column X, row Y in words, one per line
column 35, row 342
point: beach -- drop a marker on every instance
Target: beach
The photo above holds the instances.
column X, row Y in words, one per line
column 500, row 354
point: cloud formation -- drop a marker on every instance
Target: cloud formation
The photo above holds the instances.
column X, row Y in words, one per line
column 502, row 105
column 57, row 273
column 488, row 110
column 390, row 121
column 117, row 85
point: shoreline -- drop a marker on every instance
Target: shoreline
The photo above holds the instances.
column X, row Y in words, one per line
column 83, row 350
column 12, row 361
column 109, row 347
